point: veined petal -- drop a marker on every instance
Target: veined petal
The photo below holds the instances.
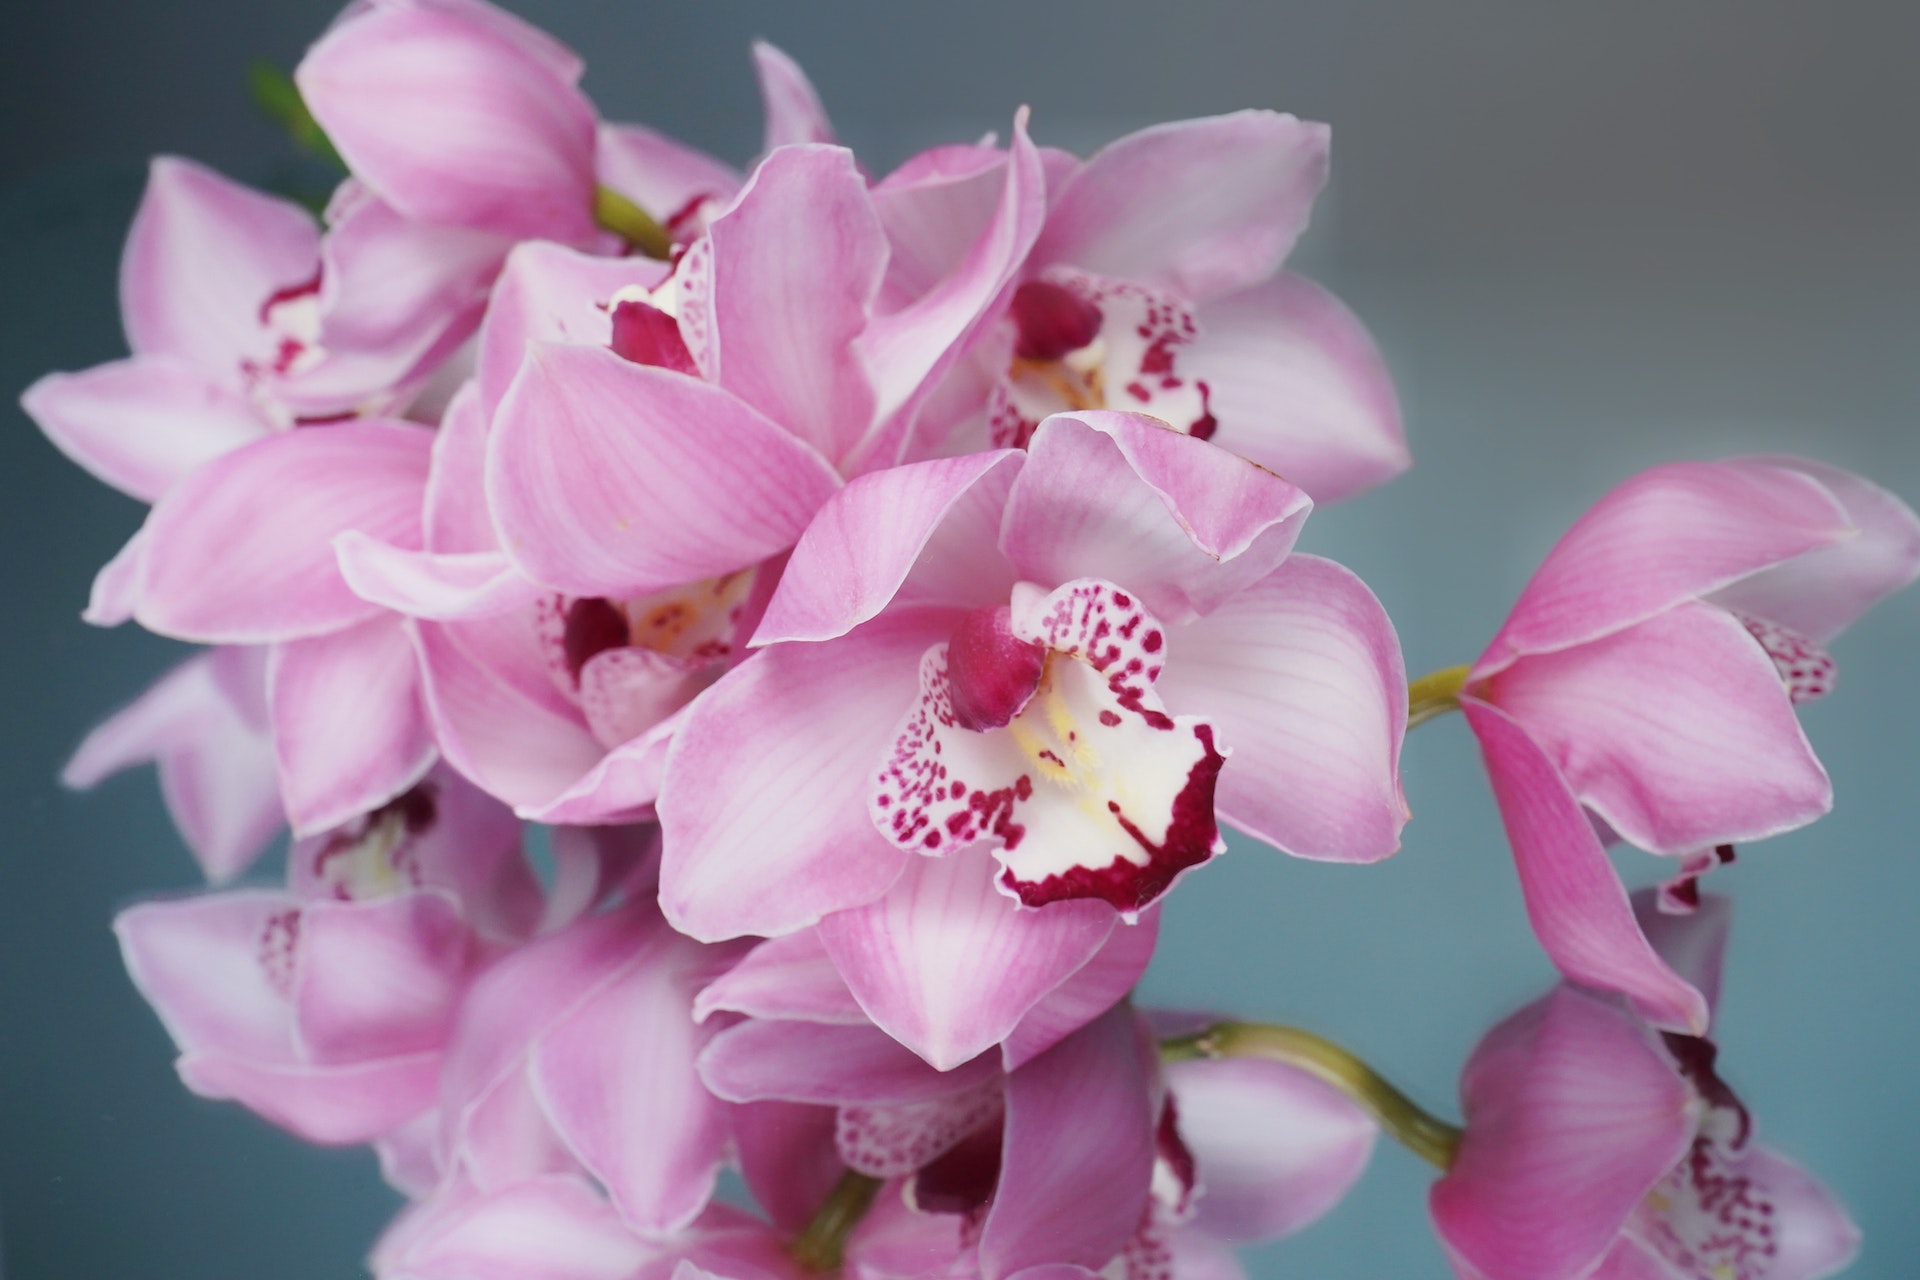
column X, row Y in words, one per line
column 217, row 970
column 553, row 1227
column 1087, row 992
column 1201, row 206
column 1676, row 731
column 621, row 787
column 668, row 179
column 1299, row 387
column 1667, row 535
column 1078, row 1155
column 1121, row 496
column 241, row 551
column 948, row 965
column 614, row 479
column 793, row 111
column 378, row 979
column 1575, row 902
column 1274, row 1147
column 795, row 267
column 334, row 1105
column 866, row 539
column 1301, row 675
column 1572, row 1116
column 350, row 732
column 787, row 1158
column 453, row 122
column 1695, row 944
column 204, row 256
column 216, row 763
column 1821, row 592
column 790, row 979
column 141, row 424
column 827, row 1064
column 764, row 806
column 440, row 586
column 1812, row 1232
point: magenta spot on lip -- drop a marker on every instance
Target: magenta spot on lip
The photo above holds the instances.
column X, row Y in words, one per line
column 991, row 673
column 305, row 289
column 593, row 626
column 645, row 334
column 1052, row 321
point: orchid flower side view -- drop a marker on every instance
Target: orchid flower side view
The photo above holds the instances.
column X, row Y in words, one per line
column 741, row 656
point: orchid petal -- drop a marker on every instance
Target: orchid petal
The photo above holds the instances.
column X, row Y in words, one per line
column 615, row 479
column 621, row 787
column 203, row 258
column 1676, row 731
column 547, row 1228
column 1299, row 387
column 1276, row 1148
column 216, row 970
column 349, row 729
column 826, row 1064
column 1820, row 593
column 1123, row 497
column 664, row 177
column 787, row 1158
column 764, row 806
column 1301, row 675
column 453, row 122
column 216, row 762
column 1667, row 535
column 1572, row 1117
column 241, row 551
column 141, row 424
column 378, row 979
column 790, row 979
column 333, row 1106
column 1574, row 899
column 866, row 539
column 794, row 266
column 1693, row 945
column 793, row 111
column 117, row 587
column 1087, row 992
column 1812, row 1231
column 1078, row 1153
column 442, row 587
column 1200, row 206
column 947, row 964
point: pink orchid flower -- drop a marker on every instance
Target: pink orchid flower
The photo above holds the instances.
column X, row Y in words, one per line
column 1156, row 287
column 1596, row 1148
column 1052, row 651
column 638, row 496
column 327, row 1007
column 205, row 725
column 1647, row 677
column 459, row 114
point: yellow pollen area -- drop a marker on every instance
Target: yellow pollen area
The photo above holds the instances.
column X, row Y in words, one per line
column 1724, row 1271
column 368, row 868
column 682, row 621
column 1049, row 735
column 1078, row 388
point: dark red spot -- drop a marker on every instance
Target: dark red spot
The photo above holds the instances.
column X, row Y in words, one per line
column 1151, row 642
column 645, row 334
column 991, row 673
column 305, row 289
column 1051, row 321
column 962, row 1180
column 1109, row 718
column 1696, row 1057
column 593, row 626
column 1172, row 1149
column 682, row 225
column 1206, row 424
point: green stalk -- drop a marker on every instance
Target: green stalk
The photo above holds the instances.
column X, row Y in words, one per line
column 1435, row 694
column 821, row 1244
column 631, row 223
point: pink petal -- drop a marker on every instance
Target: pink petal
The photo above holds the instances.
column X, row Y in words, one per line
column 1275, row 1147
column 350, row 732
column 1676, row 731
column 440, row 586
column 548, row 1228
column 1668, row 534
column 662, row 176
column 216, row 762
column 141, row 424
column 1121, row 496
column 617, row 1077
column 794, row 266
column 614, row 479
column 826, row 1064
column 860, row 548
column 793, row 111
column 1820, row 593
column 1572, row 1117
column 334, row 1106
column 621, row 787
column 1078, row 1152
column 216, row 969
column 1087, row 992
column 379, row 979
column 115, row 594
column 1693, row 945
column 787, row 1158
column 1301, row 675
column 550, row 293
column 456, row 519
column 1299, row 387
column 1200, row 206
column 453, row 122
column 1813, row 1232
column 764, row 806
column 947, row 965
column 790, row 979
column 241, row 551
column 1574, row 899
column 934, row 207
column 203, row 257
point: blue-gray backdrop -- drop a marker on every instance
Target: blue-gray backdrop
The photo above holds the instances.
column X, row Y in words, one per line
column 1589, row 238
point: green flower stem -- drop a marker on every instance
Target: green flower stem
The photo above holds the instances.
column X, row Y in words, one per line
column 1435, row 694
column 819, row 1246
column 1427, row 1136
column 275, row 93
column 631, row 223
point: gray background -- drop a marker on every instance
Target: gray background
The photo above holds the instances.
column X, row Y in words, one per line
column 1589, row 238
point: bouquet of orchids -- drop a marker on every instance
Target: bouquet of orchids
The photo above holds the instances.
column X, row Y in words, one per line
column 881, row 591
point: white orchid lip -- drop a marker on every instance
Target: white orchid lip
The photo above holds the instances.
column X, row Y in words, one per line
column 1090, row 787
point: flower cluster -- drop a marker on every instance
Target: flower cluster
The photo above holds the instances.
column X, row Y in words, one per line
column 880, row 591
